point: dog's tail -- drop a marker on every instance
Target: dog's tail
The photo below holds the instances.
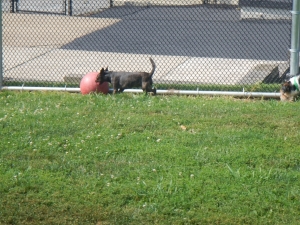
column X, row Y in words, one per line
column 153, row 66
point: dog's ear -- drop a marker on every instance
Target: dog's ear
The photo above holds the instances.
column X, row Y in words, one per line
column 287, row 83
column 286, row 86
column 101, row 73
column 106, row 69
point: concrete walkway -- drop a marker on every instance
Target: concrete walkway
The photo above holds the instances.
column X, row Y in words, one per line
column 46, row 64
column 264, row 13
column 33, row 52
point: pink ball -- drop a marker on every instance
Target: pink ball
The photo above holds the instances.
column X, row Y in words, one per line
column 88, row 84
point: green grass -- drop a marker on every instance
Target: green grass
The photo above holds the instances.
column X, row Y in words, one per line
column 135, row 159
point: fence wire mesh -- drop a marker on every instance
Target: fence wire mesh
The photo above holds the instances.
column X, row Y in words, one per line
column 226, row 45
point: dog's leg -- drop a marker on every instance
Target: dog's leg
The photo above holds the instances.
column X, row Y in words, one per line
column 147, row 87
column 154, row 91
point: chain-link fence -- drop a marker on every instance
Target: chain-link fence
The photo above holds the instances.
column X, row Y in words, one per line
column 204, row 44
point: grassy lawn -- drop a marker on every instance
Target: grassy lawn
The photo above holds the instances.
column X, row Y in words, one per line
column 135, row 159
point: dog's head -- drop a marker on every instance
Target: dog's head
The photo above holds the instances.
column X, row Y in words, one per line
column 289, row 89
column 101, row 77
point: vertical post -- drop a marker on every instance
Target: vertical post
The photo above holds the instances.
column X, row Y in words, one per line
column 70, row 7
column 12, row 6
column 65, row 7
column 295, row 39
column 1, row 47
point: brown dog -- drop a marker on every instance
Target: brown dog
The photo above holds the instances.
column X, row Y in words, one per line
column 290, row 89
column 124, row 80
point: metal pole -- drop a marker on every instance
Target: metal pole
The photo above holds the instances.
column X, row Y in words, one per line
column 164, row 92
column 295, row 39
column 65, row 7
column 70, row 7
column 12, row 6
column 1, row 59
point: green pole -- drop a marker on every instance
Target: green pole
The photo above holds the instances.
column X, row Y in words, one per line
column 295, row 39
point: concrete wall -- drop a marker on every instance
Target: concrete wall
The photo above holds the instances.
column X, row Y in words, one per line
column 58, row 6
column 5, row 5
column 173, row 2
column 80, row 7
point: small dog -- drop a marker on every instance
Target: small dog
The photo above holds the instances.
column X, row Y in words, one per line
column 290, row 89
column 125, row 80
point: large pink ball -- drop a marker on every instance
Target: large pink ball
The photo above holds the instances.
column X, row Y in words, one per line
column 88, row 84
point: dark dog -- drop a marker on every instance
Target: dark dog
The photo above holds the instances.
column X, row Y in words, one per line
column 290, row 89
column 125, row 80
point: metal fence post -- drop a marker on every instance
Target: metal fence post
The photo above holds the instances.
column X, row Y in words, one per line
column 1, row 59
column 70, row 7
column 12, row 6
column 295, row 39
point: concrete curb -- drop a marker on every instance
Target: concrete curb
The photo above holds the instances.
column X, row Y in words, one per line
column 264, row 13
column 173, row 2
